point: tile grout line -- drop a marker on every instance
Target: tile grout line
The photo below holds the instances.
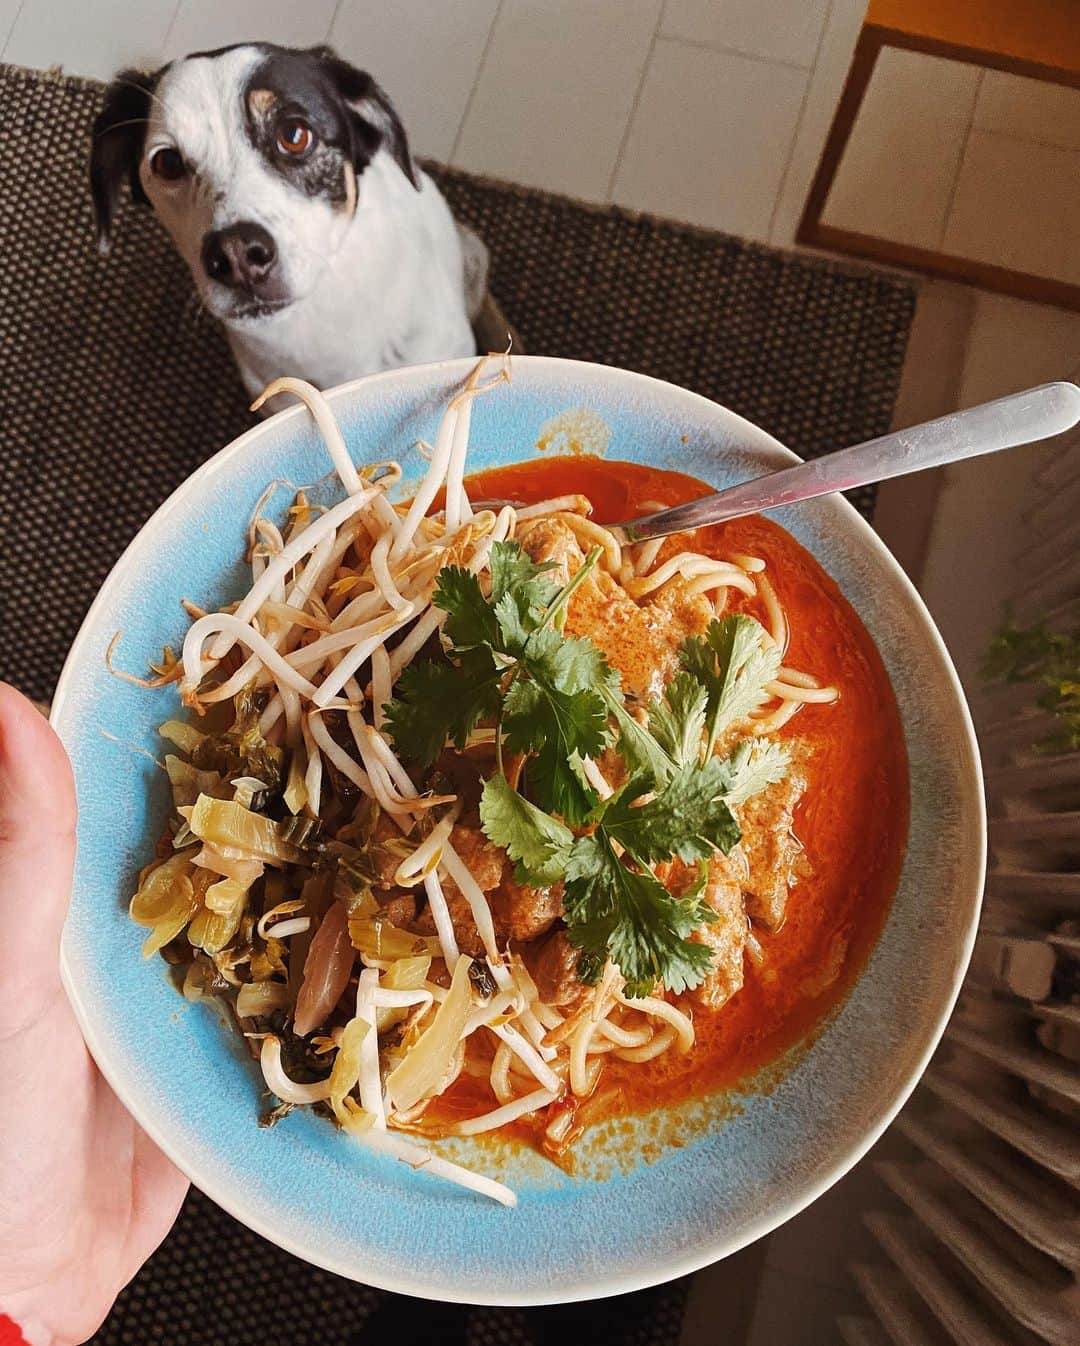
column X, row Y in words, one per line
column 167, row 38
column 11, row 27
column 333, row 20
column 452, row 156
column 946, row 215
column 1018, row 139
column 624, row 140
column 699, row 45
column 799, row 121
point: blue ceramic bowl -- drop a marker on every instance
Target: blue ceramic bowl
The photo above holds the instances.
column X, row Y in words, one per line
column 743, row 1169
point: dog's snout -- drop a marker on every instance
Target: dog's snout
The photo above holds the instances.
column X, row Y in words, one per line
column 241, row 256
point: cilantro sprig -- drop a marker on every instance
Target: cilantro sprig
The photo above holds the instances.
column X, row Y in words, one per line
column 754, row 765
column 623, row 912
column 734, row 667
column 556, row 701
column 613, row 904
column 509, row 661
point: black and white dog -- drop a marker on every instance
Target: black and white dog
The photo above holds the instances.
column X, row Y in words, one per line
column 284, row 177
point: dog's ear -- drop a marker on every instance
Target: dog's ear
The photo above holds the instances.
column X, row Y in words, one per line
column 373, row 118
column 119, row 132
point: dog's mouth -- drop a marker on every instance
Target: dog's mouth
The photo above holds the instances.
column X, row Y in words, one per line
column 247, row 310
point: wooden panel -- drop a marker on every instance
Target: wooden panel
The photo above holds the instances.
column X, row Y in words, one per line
column 1037, row 289
column 1036, row 32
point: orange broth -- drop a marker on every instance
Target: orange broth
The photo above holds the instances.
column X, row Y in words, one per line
column 852, row 820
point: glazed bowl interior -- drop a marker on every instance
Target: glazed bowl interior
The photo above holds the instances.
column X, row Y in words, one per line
column 745, row 1165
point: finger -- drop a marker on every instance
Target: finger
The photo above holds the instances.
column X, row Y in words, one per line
column 37, row 851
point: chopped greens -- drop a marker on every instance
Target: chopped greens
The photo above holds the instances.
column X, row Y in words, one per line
column 242, row 751
column 734, row 667
column 753, row 765
column 507, row 661
column 626, row 914
column 678, row 721
column 555, row 701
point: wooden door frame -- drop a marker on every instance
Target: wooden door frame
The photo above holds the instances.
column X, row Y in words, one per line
column 812, row 232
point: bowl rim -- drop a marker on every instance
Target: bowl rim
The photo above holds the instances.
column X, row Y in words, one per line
column 670, row 1266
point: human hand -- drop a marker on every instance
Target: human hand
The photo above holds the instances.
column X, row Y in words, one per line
column 85, row 1195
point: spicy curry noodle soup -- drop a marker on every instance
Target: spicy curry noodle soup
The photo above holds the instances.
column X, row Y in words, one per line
column 485, row 823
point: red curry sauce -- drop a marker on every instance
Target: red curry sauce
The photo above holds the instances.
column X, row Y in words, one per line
column 852, row 820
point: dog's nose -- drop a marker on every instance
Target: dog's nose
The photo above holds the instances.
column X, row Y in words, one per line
column 241, row 256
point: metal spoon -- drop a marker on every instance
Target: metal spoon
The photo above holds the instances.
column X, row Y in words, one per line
column 1022, row 418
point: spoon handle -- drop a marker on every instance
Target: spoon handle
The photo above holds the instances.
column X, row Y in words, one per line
column 1021, row 418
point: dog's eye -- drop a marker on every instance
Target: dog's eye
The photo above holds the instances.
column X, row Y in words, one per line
column 168, row 164
column 295, row 137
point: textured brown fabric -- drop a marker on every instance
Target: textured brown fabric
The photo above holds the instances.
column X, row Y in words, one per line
column 809, row 350
column 101, row 355
column 100, row 358
column 265, row 1297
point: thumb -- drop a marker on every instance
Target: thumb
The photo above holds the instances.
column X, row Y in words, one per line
column 37, row 852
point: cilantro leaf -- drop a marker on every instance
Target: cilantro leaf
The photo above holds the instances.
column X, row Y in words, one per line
column 561, row 728
column 555, row 713
column 753, row 765
column 733, row 666
column 470, row 621
column 639, row 749
column 564, row 663
column 560, row 783
column 533, row 713
column 538, row 844
column 439, row 701
column 628, row 915
column 516, row 622
column 520, row 594
column 514, row 570
column 687, row 818
column 678, row 721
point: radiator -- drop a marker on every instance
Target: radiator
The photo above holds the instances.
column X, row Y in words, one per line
column 976, row 1237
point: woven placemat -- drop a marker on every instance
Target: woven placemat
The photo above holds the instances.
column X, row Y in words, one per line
column 115, row 386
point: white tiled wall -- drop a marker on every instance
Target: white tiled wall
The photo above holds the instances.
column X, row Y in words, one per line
column 771, row 30
column 8, row 11
column 1017, row 204
column 693, row 152
column 427, row 53
column 555, row 90
column 88, row 39
column 206, row 24
column 712, row 111
column 1029, row 109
